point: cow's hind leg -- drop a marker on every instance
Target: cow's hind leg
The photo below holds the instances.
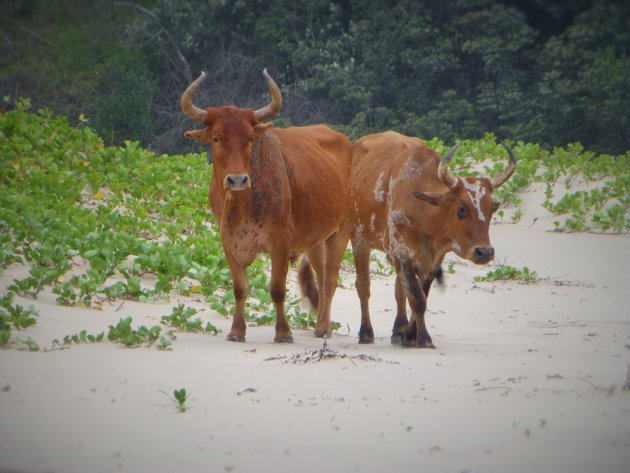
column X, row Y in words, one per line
column 400, row 324
column 335, row 246
column 361, row 252
column 317, row 259
column 240, row 287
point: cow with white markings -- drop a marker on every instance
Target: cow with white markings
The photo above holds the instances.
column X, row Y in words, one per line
column 405, row 203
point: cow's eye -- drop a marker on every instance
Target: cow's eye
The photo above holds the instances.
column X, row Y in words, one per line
column 462, row 211
column 215, row 139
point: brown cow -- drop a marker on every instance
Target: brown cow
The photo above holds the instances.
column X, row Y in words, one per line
column 279, row 191
column 405, row 203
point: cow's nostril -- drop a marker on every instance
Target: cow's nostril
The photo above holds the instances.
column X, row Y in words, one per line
column 237, row 182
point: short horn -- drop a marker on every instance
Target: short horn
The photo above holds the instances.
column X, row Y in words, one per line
column 502, row 178
column 443, row 174
column 186, row 101
column 276, row 100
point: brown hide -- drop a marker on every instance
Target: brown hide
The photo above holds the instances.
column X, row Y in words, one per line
column 279, row 191
column 296, row 174
column 399, row 205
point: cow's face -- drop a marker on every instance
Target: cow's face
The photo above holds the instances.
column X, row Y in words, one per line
column 231, row 133
column 467, row 209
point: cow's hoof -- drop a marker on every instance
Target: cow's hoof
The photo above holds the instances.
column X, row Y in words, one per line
column 425, row 344
column 286, row 339
column 322, row 334
column 397, row 339
column 366, row 334
column 235, row 338
column 406, row 343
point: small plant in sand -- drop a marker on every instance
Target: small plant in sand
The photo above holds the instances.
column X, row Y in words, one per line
column 123, row 333
column 181, row 320
column 181, row 396
column 78, row 338
column 14, row 316
column 509, row 273
column 165, row 342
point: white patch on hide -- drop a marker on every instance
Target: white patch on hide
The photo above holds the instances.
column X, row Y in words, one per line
column 397, row 245
column 412, row 168
column 379, row 193
column 399, row 217
column 476, row 192
column 455, row 246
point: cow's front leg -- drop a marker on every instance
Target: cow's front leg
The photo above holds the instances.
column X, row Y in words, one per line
column 277, row 290
column 416, row 334
column 240, row 287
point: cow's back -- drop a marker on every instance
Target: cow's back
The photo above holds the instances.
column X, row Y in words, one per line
column 317, row 161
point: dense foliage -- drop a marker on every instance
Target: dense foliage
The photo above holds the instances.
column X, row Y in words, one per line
column 550, row 72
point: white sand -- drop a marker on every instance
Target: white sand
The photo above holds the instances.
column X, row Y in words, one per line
column 525, row 378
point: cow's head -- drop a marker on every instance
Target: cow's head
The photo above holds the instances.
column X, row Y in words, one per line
column 468, row 208
column 231, row 132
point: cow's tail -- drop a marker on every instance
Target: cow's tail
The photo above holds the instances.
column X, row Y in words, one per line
column 306, row 278
column 439, row 277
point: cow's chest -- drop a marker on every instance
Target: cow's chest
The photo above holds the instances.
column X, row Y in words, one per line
column 244, row 241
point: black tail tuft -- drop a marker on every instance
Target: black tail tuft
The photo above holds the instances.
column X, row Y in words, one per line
column 439, row 277
column 306, row 278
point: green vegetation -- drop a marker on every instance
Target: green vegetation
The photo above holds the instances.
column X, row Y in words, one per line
column 551, row 72
column 181, row 397
column 181, row 320
column 77, row 338
column 15, row 317
column 509, row 273
column 123, row 333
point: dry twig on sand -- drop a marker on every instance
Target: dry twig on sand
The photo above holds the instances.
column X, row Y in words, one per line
column 325, row 353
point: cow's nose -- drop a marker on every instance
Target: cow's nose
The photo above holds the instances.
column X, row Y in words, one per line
column 237, row 182
column 483, row 255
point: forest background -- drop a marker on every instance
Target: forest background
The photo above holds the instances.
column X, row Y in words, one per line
column 550, row 72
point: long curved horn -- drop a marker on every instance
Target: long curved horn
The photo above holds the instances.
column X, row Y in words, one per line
column 507, row 172
column 443, row 174
column 273, row 107
column 186, row 101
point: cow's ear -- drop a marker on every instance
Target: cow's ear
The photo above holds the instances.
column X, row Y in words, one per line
column 201, row 135
column 433, row 198
column 260, row 128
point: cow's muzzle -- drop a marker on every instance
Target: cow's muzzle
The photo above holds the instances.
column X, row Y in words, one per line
column 482, row 255
column 236, row 182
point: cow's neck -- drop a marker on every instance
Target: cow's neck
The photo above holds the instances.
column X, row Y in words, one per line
column 236, row 208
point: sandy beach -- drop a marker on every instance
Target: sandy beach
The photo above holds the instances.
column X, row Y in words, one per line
column 525, row 378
